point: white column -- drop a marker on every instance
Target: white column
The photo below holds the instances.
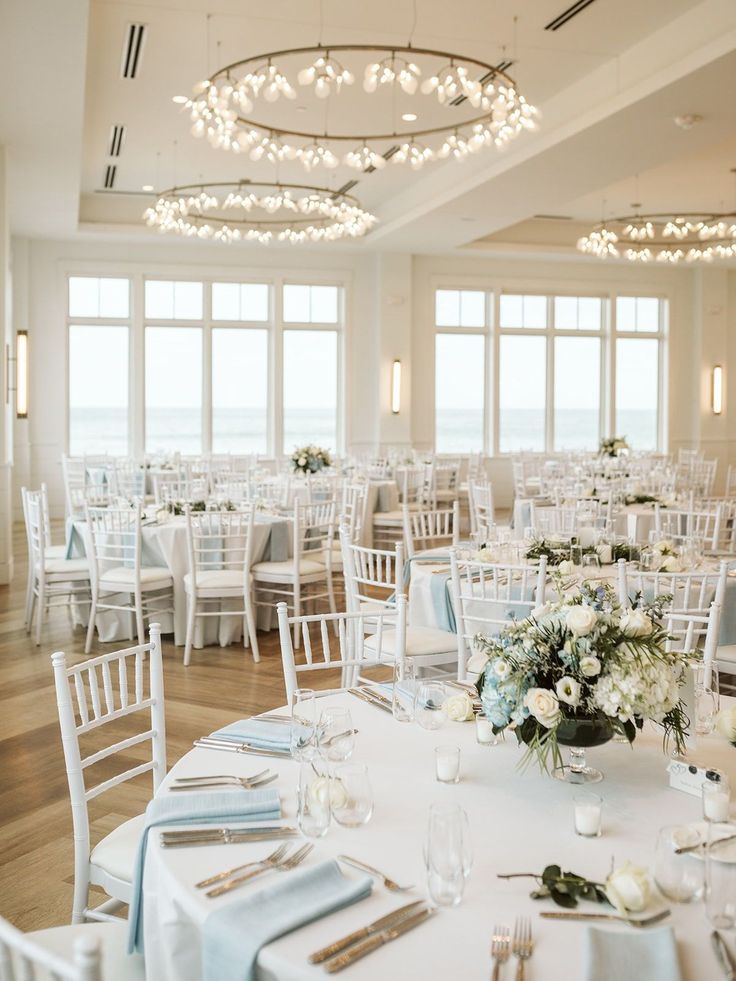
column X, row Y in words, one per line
column 394, row 316
column 8, row 400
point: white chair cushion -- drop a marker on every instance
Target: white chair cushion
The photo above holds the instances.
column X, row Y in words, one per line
column 123, row 576
column 116, row 853
column 388, row 517
column 216, row 579
column 117, row 964
column 66, row 565
column 286, row 569
column 727, row 654
column 420, row 641
column 55, row 552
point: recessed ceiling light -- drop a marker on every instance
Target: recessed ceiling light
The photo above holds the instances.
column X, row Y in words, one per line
column 180, row 99
column 147, row 187
column 688, row 120
column 409, row 117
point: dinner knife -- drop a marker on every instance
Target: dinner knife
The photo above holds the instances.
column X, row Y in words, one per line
column 391, row 919
column 549, row 915
column 701, row 844
column 376, row 940
column 359, row 693
column 207, row 743
column 723, row 954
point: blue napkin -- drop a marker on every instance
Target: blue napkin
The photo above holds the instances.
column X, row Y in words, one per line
column 194, row 808
column 234, row 934
column 277, row 549
column 647, row 955
column 261, row 734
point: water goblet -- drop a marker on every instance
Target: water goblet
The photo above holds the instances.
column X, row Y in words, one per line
column 351, row 795
column 335, row 737
column 303, row 724
column 313, row 811
column 678, row 877
column 403, row 691
column 447, row 854
column 429, row 705
column 720, row 881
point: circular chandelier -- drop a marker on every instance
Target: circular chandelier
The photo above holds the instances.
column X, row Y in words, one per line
column 228, row 108
column 256, row 211
column 663, row 238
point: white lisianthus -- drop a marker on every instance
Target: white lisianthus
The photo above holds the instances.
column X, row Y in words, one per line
column 568, row 690
column 627, row 889
column 566, row 568
column 501, row 668
column 581, row 620
column 459, row 708
column 635, row 623
column 590, row 666
column 477, row 662
column 726, row 724
column 664, row 547
column 544, row 706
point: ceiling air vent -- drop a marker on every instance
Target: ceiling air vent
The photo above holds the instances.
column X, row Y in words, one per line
column 567, row 15
column 552, row 217
column 132, row 50
column 110, row 171
column 502, row 66
column 117, row 134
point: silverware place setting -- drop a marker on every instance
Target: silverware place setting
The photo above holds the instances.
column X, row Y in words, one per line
column 391, row 919
column 597, row 917
column 363, row 867
column 372, row 698
column 378, row 938
column 224, row 780
column 224, row 836
column 283, row 864
column 500, row 949
column 275, row 856
column 522, row 944
column 210, row 742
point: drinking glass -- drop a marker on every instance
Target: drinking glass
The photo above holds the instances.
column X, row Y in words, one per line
column 576, row 554
column 707, row 700
column 351, row 796
column 313, row 809
column 720, row 881
column 716, row 796
column 303, row 724
column 335, row 737
column 678, row 877
column 403, row 692
column 429, row 705
column 591, row 560
column 447, row 854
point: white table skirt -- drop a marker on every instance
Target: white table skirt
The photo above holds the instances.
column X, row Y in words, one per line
column 519, row 823
column 166, row 545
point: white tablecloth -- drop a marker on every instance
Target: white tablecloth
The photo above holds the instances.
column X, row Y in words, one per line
column 634, row 521
column 166, row 545
column 519, row 823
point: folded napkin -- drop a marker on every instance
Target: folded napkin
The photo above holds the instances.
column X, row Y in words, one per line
column 194, row 808
column 647, row 955
column 234, row 934
column 257, row 732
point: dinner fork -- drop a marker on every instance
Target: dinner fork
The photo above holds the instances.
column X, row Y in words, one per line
column 275, row 856
column 522, row 945
column 284, row 865
column 247, row 783
column 500, row 949
column 388, row 883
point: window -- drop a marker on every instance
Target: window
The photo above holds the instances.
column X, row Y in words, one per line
column 459, row 392
column 90, row 296
column 310, row 304
column 310, row 388
column 240, row 301
column 239, row 390
column 552, row 356
column 98, row 389
column 173, row 301
column 174, row 389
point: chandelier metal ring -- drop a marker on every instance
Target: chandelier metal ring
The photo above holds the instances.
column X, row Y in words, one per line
column 663, row 237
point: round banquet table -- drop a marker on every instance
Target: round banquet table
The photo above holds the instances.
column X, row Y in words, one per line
column 165, row 544
column 634, row 521
column 519, row 822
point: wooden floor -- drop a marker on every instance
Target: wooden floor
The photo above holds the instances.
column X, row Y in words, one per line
column 36, row 859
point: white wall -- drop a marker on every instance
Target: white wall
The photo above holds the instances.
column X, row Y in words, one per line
column 389, row 316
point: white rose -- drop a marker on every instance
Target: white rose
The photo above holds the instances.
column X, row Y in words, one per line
column 544, row 706
column 663, row 547
column 627, row 889
column 321, row 787
column 590, row 666
column 502, row 668
column 568, row 690
column 726, row 723
column 477, row 662
column 302, row 461
column 670, row 564
column 566, row 568
column 581, row 620
column 541, row 611
column 635, row 623
column 459, row 708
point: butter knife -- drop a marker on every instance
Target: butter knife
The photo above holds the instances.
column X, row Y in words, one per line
column 391, row 919
column 723, row 954
column 548, row 915
column 376, row 940
column 207, row 743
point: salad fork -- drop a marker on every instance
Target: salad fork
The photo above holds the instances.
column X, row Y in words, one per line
column 247, row 783
column 284, row 865
column 275, row 856
column 388, row 883
column 522, row 945
column 500, row 949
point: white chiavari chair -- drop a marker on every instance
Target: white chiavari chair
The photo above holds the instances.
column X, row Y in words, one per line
column 120, row 582
column 527, row 475
column 89, row 696
column 680, row 524
column 231, row 487
column 128, row 480
column 273, row 492
column 388, row 526
column 50, row 550
column 442, row 483
column 481, row 508
column 53, row 582
column 220, row 547
column 488, row 596
column 86, row 952
column 431, row 529
column 86, row 481
column 695, row 633
column 306, row 577
column 180, row 486
column 348, row 642
column 546, row 521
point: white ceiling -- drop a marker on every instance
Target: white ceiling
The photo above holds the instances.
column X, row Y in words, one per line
column 608, row 85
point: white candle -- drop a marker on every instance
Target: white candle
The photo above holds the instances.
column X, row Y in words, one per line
column 715, row 806
column 484, row 731
column 588, row 815
column 586, row 537
column 447, row 763
column 605, row 553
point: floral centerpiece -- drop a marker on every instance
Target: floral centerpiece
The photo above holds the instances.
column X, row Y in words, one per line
column 614, row 446
column 579, row 671
column 310, row 459
column 665, row 558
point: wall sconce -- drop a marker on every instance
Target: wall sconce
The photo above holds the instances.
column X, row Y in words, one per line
column 19, row 383
column 716, row 390
column 396, row 387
